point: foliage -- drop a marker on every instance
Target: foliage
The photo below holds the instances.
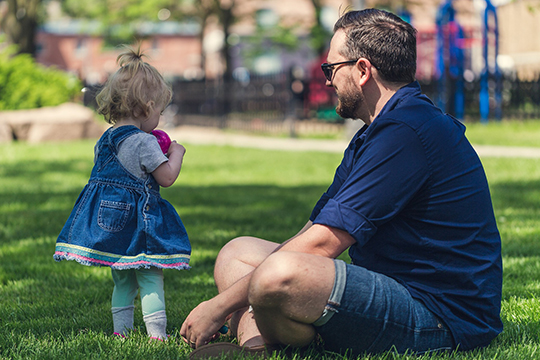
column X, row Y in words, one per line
column 320, row 37
column 62, row 310
column 120, row 18
column 27, row 85
column 121, row 11
column 267, row 40
column 20, row 22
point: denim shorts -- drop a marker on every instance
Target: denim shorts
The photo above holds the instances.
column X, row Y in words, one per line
column 369, row 313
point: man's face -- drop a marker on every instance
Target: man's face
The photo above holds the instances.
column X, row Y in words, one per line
column 350, row 97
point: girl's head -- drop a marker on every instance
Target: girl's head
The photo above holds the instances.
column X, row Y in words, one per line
column 137, row 90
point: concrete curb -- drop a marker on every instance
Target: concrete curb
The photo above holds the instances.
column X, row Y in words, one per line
column 213, row 136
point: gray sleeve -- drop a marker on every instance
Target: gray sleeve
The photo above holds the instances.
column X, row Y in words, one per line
column 140, row 154
column 151, row 155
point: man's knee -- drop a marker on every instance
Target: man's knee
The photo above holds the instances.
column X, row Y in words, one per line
column 271, row 281
column 231, row 250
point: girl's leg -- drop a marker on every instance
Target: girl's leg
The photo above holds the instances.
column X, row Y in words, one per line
column 125, row 290
column 153, row 302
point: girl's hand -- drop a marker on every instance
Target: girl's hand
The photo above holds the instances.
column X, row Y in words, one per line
column 166, row 173
column 176, row 147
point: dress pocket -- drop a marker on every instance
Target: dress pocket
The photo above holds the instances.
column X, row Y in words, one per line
column 113, row 215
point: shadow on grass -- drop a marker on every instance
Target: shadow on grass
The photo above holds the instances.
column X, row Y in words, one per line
column 517, row 210
column 40, row 296
column 45, row 299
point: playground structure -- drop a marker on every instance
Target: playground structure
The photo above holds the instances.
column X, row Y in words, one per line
column 450, row 61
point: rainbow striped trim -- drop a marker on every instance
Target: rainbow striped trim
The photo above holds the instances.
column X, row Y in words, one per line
column 93, row 257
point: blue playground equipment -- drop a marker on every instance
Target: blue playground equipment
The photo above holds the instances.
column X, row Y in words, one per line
column 450, row 62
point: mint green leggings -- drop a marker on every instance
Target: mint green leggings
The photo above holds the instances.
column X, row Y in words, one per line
column 150, row 282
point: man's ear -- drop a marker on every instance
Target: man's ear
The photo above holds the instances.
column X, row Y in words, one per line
column 363, row 66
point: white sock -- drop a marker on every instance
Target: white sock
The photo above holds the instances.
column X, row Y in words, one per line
column 122, row 319
column 156, row 325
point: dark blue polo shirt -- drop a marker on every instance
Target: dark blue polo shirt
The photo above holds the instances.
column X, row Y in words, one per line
column 412, row 192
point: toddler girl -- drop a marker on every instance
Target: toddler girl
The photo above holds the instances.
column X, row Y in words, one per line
column 120, row 219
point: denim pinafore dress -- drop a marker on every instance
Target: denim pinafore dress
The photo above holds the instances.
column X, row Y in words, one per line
column 120, row 220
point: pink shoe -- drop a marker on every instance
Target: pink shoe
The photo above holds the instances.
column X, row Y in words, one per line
column 160, row 339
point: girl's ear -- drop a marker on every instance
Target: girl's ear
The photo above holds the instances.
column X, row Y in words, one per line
column 149, row 105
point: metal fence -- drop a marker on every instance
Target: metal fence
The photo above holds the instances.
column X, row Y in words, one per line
column 265, row 102
column 267, row 98
column 272, row 98
column 520, row 99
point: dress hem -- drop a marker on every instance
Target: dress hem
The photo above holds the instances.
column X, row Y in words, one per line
column 140, row 263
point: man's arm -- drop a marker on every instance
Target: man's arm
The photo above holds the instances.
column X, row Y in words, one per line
column 320, row 240
column 204, row 321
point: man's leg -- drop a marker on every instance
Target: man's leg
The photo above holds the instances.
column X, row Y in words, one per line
column 236, row 259
column 289, row 291
column 371, row 312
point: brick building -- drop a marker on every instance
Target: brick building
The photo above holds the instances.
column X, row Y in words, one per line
column 73, row 45
column 175, row 49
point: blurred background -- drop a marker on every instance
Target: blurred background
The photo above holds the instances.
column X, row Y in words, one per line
column 255, row 64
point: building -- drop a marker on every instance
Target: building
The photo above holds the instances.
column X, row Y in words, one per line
column 176, row 49
column 519, row 27
column 76, row 46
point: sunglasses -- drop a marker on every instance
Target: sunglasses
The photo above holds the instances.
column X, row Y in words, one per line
column 328, row 69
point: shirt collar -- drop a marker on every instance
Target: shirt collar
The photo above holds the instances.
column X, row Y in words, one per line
column 404, row 92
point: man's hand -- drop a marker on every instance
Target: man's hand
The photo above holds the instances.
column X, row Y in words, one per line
column 202, row 324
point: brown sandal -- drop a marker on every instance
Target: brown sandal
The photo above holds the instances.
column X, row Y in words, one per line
column 221, row 349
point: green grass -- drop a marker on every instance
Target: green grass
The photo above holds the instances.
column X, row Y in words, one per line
column 508, row 133
column 52, row 310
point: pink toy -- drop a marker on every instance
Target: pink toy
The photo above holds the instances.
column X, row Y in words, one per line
column 163, row 140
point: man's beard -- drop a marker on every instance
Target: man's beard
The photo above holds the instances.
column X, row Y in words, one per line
column 348, row 105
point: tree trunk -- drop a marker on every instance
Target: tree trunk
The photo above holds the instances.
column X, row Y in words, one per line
column 20, row 24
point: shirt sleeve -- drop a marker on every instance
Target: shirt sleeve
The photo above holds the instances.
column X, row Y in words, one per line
column 339, row 177
column 151, row 155
column 387, row 171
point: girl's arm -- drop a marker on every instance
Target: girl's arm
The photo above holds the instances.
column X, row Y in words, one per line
column 167, row 173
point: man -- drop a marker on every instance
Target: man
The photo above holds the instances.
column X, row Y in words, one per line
column 410, row 201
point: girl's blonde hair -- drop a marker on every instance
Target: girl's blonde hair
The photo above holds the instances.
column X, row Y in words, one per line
column 129, row 91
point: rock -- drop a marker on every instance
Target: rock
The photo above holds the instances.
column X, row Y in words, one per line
column 5, row 133
column 68, row 121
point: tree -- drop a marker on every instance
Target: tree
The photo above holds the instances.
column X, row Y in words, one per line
column 202, row 10
column 20, row 24
column 119, row 18
column 224, row 12
column 319, row 34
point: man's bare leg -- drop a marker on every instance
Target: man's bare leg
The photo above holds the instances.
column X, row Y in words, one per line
column 237, row 259
column 289, row 292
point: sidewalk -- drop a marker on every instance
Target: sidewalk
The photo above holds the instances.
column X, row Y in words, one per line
column 213, row 136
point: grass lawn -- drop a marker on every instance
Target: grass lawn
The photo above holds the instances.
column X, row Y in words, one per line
column 509, row 133
column 52, row 310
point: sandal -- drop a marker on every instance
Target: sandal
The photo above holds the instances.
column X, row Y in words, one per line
column 220, row 349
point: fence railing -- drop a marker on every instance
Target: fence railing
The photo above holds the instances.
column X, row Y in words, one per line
column 266, row 102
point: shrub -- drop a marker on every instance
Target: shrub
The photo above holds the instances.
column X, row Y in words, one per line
column 24, row 84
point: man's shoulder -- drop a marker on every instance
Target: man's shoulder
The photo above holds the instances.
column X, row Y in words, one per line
column 416, row 112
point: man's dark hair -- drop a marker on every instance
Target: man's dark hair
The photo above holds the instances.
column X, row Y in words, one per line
column 383, row 38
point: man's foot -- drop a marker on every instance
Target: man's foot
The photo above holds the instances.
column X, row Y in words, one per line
column 217, row 350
